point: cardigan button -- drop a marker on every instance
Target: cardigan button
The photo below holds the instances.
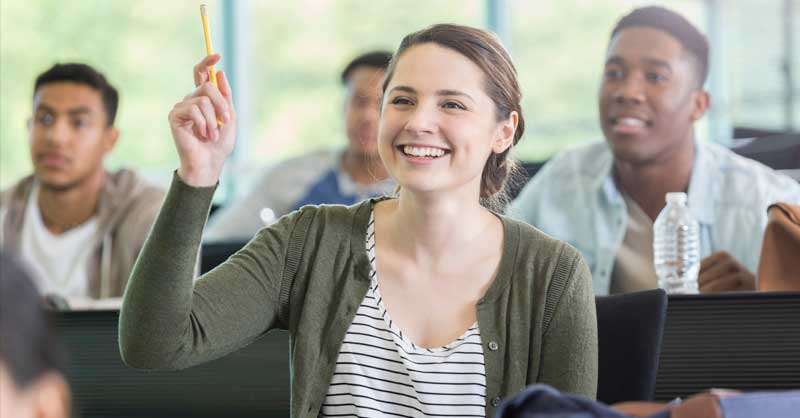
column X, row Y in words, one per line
column 493, row 345
column 496, row 401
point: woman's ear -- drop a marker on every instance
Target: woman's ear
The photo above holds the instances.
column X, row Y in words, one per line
column 505, row 133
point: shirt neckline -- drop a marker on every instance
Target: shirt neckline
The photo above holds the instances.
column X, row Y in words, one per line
column 508, row 259
column 397, row 333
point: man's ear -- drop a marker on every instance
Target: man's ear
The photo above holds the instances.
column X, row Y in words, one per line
column 111, row 136
column 701, row 102
column 505, row 133
column 52, row 397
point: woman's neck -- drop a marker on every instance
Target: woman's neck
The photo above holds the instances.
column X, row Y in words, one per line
column 429, row 226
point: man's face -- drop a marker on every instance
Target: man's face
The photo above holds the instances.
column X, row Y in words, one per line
column 649, row 96
column 69, row 134
column 362, row 109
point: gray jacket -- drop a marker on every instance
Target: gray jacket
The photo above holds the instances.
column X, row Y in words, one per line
column 126, row 211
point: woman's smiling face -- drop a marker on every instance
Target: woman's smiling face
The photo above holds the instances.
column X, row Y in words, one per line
column 438, row 125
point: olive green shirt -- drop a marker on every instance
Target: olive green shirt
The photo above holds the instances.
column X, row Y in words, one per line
column 537, row 319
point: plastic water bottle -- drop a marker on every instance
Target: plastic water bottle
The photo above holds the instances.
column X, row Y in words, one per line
column 676, row 246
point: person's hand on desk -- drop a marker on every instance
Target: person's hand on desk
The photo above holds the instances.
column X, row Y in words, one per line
column 203, row 126
column 704, row 405
column 720, row 272
column 701, row 405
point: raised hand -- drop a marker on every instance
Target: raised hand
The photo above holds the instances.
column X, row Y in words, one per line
column 202, row 145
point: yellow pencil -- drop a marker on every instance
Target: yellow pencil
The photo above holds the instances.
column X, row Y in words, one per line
column 212, row 72
column 207, row 34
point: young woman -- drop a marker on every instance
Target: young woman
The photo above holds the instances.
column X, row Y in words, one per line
column 419, row 305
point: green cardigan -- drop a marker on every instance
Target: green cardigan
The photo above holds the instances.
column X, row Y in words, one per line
column 537, row 319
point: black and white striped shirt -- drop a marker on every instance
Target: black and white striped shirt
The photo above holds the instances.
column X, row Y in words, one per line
column 380, row 372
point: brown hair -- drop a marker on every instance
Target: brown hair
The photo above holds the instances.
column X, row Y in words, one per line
column 487, row 52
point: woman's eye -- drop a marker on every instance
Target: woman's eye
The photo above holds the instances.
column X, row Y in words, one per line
column 453, row 105
column 401, row 101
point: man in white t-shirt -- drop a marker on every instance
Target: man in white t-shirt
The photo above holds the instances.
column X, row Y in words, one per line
column 78, row 226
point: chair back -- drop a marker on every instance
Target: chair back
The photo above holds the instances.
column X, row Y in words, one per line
column 629, row 330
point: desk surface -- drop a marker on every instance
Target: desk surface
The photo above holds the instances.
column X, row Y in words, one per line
column 747, row 341
column 253, row 382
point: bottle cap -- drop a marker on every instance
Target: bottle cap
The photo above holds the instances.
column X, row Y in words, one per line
column 676, row 197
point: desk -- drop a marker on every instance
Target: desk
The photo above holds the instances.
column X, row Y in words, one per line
column 253, row 382
column 746, row 341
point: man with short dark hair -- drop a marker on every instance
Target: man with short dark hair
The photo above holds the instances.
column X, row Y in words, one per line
column 329, row 176
column 603, row 198
column 79, row 226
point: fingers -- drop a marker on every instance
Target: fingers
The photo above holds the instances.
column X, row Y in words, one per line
column 188, row 113
column 203, row 103
column 199, row 120
column 717, row 265
column 201, row 69
column 715, row 271
column 721, row 284
column 220, row 105
column 721, row 272
column 713, row 259
column 199, row 113
column 702, row 405
column 208, row 104
column 225, row 87
column 741, row 280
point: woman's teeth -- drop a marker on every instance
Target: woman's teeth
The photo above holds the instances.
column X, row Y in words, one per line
column 423, row 151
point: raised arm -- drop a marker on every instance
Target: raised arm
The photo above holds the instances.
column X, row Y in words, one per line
column 166, row 321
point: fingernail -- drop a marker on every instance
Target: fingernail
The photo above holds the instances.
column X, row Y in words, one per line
column 226, row 116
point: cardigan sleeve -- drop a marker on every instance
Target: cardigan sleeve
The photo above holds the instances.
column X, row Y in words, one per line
column 169, row 322
column 569, row 346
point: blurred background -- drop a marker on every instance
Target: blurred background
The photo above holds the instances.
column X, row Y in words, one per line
column 284, row 58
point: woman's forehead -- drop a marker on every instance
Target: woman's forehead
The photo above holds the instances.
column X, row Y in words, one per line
column 431, row 66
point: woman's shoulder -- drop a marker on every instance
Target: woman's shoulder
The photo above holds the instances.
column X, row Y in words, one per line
column 328, row 223
column 341, row 213
column 536, row 248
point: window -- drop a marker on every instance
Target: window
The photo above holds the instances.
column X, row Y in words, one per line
column 763, row 58
column 559, row 50
column 289, row 54
column 296, row 53
column 145, row 48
